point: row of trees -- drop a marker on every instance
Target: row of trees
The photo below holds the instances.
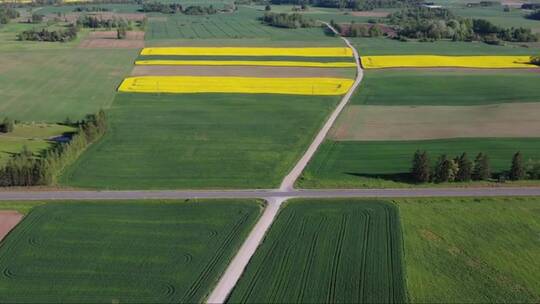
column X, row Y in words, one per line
column 24, row 169
column 462, row 169
column 358, row 29
column 351, row 4
column 60, row 35
column 95, row 22
column 7, row 13
column 90, row 9
column 440, row 23
column 173, row 8
column 285, row 20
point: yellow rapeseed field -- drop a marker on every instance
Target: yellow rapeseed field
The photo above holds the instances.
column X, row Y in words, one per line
column 195, row 84
column 249, row 63
column 250, row 51
column 424, row 61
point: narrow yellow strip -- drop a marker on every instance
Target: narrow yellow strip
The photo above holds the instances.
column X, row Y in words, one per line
column 195, row 84
column 425, row 61
column 249, row 63
column 249, row 51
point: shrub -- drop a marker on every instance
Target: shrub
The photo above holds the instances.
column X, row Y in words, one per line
column 7, row 125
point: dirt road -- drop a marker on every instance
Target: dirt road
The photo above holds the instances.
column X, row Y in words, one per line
column 8, row 220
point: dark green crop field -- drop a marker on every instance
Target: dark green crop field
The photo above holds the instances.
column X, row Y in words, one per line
column 328, row 251
column 122, row 252
column 386, row 46
column 200, row 141
column 472, row 250
column 242, row 27
column 344, row 164
column 421, row 87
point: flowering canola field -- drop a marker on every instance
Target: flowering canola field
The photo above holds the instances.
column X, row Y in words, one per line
column 197, row 84
column 250, row 51
column 249, row 63
column 424, row 61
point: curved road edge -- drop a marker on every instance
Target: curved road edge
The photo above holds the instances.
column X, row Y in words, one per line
column 235, row 269
column 289, row 180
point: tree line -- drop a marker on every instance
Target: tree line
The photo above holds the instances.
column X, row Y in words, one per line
column 354, row 29
column 285, row 20
column 174, row 8
column 59, row 35
column 95, row 22
column 351, row 4
column 439, row 23
column 462, row 169
column 82, row 9
column 7, row 13
column 24, row 169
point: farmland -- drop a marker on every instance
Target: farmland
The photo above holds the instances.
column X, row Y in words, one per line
column 50, row 85
column 353, row 164
column 422, row 61
column 159, row 251
column 249, row 85
column 471, row 250
column 328, row 251
column 200, row 141
column 384, row 46
column 239, row 29
column 452, row 88
column 367, row 122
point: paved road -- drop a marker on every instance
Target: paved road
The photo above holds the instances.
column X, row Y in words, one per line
column 266, row 194
column 290, row 179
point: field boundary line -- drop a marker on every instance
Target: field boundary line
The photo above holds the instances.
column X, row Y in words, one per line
column 288, row 182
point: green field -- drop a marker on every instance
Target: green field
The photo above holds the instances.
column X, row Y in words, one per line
column 239, row 28
column 50, row 85
column 122, row 252
column 327, row 251
column 454, row 88
column 36, row 138
column 385, row 46
column 472, row 250
column 200, row 141
column 352, row 164
column 496, row 14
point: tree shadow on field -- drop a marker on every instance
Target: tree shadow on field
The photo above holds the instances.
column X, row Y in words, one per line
column 395, row 177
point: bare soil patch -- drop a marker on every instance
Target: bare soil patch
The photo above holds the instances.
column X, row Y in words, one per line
column 433, row 122
column 241, row 71
column 371, row 14
column 8, row 220
column 107, row 39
